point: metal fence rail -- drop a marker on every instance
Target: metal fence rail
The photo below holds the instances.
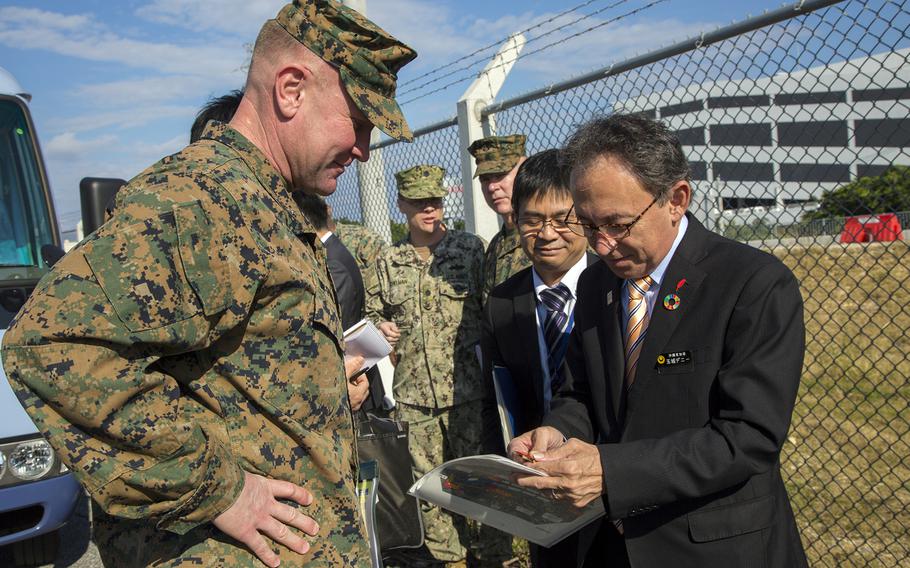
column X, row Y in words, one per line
column 774, row 112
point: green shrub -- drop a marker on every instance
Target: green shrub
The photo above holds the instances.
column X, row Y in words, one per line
column 886, row 193
column 757, row 230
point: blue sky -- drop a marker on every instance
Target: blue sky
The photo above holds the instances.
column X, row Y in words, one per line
column 116, row 84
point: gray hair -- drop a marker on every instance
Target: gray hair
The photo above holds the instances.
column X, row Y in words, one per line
column 646, row 147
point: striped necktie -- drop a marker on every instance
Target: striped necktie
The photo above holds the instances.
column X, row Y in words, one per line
column 554, row 328
column 637, row 324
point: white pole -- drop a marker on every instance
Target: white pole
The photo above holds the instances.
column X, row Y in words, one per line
column 374, row 200
column 480, row 219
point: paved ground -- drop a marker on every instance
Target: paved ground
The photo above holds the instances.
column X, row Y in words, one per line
column 76, row 549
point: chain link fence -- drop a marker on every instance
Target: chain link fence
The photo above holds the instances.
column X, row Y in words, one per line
column 791, row 124
column 436, row 144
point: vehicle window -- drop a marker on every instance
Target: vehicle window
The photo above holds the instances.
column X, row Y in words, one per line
column 25, row 223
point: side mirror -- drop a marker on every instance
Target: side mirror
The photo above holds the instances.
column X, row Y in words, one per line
column 96, row 195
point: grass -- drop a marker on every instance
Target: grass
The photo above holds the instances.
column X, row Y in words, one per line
column 847, row 460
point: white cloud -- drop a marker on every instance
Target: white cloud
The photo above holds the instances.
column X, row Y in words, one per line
column 240, row 17
column 67, row 145
column 441, row 35
column 84, row 37
column 126, row 117
column 104, row 156
column 145, row 154
column 151, row 90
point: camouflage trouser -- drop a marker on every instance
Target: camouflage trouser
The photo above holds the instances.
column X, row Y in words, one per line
column 436, row 436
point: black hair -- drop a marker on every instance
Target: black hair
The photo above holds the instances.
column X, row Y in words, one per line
column 646, row 147
column 539, row 176
column 314, row 208
column 220, row 108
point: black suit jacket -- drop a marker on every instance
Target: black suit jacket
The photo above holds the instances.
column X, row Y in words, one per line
column 347, row 279
column 509, row 339
column 691, row 455
column 351, row 301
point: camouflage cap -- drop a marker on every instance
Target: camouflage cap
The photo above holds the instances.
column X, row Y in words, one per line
column 497, row 154
column 421, row 182
column 367, row 57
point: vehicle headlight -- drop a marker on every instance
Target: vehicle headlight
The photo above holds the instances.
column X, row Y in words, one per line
column 2, row 464
column 31, row 460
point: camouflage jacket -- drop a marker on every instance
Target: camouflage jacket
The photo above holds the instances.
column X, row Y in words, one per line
column 503, row 258
column 193, row 337
column 436, row 305
column 364, row 244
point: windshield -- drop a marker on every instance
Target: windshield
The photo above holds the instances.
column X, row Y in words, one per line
column 25, row 220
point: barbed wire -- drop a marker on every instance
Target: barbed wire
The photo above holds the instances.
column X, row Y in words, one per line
column 529, row 53
column 533, row 39
column 495, row 43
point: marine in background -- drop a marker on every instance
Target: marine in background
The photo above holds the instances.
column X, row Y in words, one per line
column 497, row 159
column 426, row 292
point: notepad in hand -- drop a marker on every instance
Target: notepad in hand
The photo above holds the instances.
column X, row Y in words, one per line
column 364, row 339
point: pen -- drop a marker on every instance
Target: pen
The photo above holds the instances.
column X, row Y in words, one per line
column 524, row 455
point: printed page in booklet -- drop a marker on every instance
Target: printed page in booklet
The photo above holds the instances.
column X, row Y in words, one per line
column 484, row 488
column 363, row 338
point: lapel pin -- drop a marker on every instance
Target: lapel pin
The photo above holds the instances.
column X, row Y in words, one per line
column 609, row 297
column 672, row 301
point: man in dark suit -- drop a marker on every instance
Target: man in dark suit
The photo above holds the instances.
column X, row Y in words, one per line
column 348, row 287
column 515, row 343
column 681, row 374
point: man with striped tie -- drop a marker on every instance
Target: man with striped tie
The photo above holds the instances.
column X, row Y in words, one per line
column 681, row 372
column 528, row 317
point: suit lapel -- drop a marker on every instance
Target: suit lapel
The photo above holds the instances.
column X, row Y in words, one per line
column 524, row 306
column 610, row 333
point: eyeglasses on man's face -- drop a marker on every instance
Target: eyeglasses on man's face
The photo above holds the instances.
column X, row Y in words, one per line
column 533, row 224
column 612, row 231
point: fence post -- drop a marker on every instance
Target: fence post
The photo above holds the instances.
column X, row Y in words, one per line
column 374, row 199
column 480, row 219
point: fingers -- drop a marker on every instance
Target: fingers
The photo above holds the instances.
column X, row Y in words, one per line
column 578, row 492
column 282, row 534
column 391, row 332
column 541, row 482
column 357, row 393
column 258, row 546
column 256, row 513
column 352, row 365
column 519, row 448
column 545, row 439
column 287, row 490
column 293, row 517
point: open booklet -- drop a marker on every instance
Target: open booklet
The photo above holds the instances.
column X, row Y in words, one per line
column 363, row 338
column 484, row 488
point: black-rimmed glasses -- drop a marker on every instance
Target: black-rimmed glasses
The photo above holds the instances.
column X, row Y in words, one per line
column 612, row 231
column 533, row 225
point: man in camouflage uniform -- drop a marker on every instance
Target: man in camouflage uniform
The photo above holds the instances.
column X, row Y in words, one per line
column 426, row 292
column 498, row 159
column 363, row 243
column 185, row 361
